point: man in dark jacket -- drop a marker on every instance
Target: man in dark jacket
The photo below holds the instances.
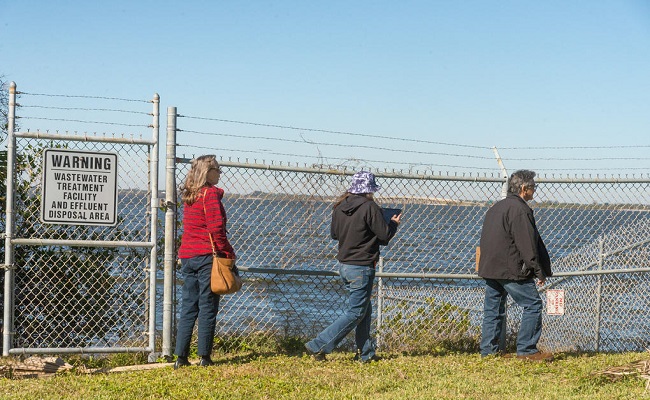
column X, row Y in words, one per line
column 359, row 226
column 512, row 257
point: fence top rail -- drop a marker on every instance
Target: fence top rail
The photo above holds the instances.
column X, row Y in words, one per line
column 84, row 138
column 332, row 170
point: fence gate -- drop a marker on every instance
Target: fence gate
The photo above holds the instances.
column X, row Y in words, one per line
column 80, row 254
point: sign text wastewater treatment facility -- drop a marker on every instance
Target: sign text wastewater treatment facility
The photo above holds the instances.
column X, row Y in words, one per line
column 79, row 188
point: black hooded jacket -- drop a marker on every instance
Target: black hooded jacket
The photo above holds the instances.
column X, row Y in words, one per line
column 358, row 224
column 511, row 247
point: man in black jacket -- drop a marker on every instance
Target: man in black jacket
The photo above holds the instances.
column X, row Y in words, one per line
column 512, row 257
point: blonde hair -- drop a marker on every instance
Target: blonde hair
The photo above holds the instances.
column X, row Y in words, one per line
column 197, row 178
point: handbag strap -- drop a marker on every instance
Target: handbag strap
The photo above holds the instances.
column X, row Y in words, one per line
column 205, row 212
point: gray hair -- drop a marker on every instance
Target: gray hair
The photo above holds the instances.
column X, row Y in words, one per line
column 521, row 179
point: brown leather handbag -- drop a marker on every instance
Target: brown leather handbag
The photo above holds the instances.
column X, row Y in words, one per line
column 224, row 278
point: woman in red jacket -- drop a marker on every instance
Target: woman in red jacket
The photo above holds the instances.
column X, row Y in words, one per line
column 203, row 214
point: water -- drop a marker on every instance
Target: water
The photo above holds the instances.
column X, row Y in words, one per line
column 432, row 238
column 294, row 235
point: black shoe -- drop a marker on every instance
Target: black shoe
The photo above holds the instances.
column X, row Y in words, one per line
column 181, row 362
column 315, row 356
column 206, row 362
column 370, row 360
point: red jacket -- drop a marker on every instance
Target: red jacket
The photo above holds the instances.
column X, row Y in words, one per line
column 197, row 223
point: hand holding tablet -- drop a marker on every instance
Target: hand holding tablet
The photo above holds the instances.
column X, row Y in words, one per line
column 389, row 213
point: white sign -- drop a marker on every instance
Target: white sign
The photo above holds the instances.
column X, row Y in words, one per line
column 79, row 188
column 555, row 302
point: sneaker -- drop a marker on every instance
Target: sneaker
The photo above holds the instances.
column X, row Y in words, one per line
column 181, row 362
column 539, row 356
column 206, row 362
column 316, row 356
column 370, row 360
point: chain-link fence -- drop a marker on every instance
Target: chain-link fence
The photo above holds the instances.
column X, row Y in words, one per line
column 84, row 288
column 427, row 293
column 79, row 265
column 68, row 295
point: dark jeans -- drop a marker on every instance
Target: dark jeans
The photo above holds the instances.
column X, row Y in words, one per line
column 525, row 294
column 358, row 281
column 198, row 301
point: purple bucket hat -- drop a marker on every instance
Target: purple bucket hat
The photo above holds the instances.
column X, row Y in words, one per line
column 363, row 182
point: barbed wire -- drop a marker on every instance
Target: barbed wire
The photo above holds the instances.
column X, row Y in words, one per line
column 304, row 129
column 268, row 125
column 410, row 163
column 333, row 158
column 83, row 97
column 85, row 109
column 338, row 145
column 575, row 147
column 578, row 159
column 85, row 122
column 84, row 134
column 317, row 130
column 592, row 169
column 305, row 141
column 335, row 132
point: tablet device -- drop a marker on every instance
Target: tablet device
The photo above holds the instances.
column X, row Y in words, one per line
column 389, row 212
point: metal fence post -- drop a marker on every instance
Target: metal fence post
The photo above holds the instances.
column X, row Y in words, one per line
column 380, row 300
column 599, row 290
column 155, row 204
column 170, row 233
column 8, row 324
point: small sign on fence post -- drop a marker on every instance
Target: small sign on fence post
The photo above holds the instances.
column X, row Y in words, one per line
column 555, row 302
column 79, row 188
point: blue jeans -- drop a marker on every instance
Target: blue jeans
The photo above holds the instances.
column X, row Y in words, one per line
column 198, row 301
column 525, row 294
column 358, row 281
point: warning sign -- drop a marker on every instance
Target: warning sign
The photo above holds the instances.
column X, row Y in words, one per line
column 555, row 302
column 79, row 188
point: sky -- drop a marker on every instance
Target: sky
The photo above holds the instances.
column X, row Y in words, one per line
column 560, row 87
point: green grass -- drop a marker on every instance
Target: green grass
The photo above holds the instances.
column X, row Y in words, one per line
column 248, row 375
